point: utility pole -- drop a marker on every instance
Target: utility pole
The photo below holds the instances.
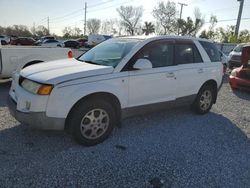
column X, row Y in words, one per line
column 85, row 18
column 182, row 4
column 239, row 18
column 48, row 24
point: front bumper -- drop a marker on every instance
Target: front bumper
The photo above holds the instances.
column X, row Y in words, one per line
column 37, row 120
column 234, row 63
column 239, row 83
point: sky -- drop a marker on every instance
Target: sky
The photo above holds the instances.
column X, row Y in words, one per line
column 70, row 13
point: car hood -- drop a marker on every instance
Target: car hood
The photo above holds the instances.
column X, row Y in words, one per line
column 54, row 72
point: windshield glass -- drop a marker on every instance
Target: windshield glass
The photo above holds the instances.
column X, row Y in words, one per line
column 110, row 52
column 238, row 48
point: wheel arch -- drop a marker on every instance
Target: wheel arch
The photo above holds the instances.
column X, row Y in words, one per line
column 106, row 96
column 32, row 63
column 214, row 85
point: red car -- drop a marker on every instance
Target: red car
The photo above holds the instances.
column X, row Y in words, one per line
column 23, row 41
column 240, row 77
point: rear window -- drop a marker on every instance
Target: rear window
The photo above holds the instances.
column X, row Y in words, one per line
column 211, row 50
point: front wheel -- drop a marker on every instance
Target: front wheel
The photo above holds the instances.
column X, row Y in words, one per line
column 92, row 121
column 204, row 100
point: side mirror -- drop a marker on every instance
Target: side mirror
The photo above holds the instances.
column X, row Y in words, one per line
column 245, row 56
column 142, row 64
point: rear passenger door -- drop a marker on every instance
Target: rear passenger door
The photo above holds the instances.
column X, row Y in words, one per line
column 191, row 70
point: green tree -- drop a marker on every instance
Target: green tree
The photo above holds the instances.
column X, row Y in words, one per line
column 211, row 33
column 148, row 28
column 189, row 26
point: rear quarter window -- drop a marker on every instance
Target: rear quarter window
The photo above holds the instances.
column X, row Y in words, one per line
column 211, row 50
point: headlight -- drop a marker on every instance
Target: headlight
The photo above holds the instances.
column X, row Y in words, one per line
column 36, row 88
column 234, row 73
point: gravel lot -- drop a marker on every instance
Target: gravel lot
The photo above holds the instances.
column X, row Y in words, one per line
column 175, row 148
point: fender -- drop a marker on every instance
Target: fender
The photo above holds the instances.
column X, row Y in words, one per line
column 59, row 107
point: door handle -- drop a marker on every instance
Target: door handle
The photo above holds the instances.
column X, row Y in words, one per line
column 200, row 70
column 170, row 75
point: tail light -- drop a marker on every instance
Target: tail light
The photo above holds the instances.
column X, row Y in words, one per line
column 70, row 54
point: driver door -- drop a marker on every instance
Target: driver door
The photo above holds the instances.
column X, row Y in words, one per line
column 156, row 84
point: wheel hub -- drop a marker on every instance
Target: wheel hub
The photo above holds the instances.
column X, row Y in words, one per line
column 94, row 123
column 205, row 100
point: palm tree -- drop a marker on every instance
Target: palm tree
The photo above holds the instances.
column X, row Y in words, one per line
column 148, row 28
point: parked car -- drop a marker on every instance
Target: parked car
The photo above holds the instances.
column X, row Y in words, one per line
column 118, row 78
column 95, row 39
column 16, row 58
column 240, row 77
column 23, row 41
column 71, row 44
column 224, row 60
column 234, row 56
column 82, row 42
column 51, row 43
column 47, row 37
column 40, row 41
column 4, row 39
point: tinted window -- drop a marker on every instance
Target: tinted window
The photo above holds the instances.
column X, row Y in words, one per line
column 186, row 54
column 50, row 41
column 211, row 50
column 160, row 54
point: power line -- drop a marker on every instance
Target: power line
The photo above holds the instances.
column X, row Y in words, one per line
column 66, row 15
column 100, row 9
column 99, row 4
column 230, row 20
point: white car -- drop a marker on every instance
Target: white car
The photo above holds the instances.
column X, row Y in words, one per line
column 51, row 43
column 4, row 40
column 235, row 56
column 118, row 78
column 13, row 58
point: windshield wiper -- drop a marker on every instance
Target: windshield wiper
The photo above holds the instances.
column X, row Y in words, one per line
column 90, row 62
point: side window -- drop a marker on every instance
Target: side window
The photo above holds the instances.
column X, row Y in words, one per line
column 211, row 50
column 160, row 54
column 186, row 54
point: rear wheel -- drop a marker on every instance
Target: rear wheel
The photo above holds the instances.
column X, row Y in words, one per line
column 204, row 100
column 92, row 121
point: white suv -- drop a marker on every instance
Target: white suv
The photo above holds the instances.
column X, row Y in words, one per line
column 118, row 78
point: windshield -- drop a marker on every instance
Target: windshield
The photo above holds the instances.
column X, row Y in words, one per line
column 238, row 48
column 110, row 52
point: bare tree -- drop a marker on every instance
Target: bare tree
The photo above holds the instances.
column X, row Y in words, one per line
column 109, row 27
column 130, row 17
column 42, row 31
column 165, row 14
column 93, row 25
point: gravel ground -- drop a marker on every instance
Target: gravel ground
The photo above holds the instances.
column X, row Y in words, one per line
column 174, row 148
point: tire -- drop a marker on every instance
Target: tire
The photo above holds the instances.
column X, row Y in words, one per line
column 204, row 100
column 92, row 121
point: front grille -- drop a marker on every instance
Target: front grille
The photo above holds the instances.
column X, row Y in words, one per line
column 236, row 58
